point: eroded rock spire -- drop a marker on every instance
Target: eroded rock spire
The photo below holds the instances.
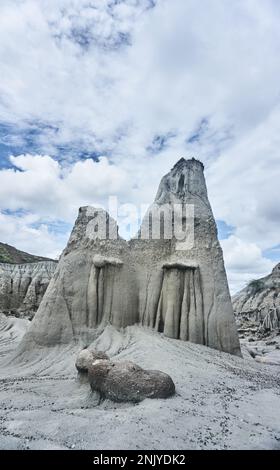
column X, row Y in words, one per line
column 180, row 292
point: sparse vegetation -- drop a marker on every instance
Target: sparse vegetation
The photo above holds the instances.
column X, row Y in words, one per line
column 4, row 255
column 9, row 254
column 256, row 285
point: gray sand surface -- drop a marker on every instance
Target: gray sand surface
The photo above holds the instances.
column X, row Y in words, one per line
column 221, row 401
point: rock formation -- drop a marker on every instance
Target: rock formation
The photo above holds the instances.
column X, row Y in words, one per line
column 259, row 302
column 186, row 291
column 177, row 287
column 87, row 357
column 257, row 311
column 22, row 286
column 126, row 381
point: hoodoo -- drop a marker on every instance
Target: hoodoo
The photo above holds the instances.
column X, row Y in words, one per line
column 176, row 285
column 22, row 286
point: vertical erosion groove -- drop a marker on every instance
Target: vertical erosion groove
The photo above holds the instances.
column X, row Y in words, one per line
column 108, row 293
column 170, row 296
column 192, row 310
column 184, row 322
column 100, row 293
column 200, row 329
column 177, row 308
column 92, row 297
column 154, row 314
column 179, row 312
column 159, row 324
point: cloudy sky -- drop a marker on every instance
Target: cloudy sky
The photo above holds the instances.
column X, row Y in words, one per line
column 102, row 97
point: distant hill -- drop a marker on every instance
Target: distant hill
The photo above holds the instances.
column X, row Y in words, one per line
column 260, row 301
column 9, row 254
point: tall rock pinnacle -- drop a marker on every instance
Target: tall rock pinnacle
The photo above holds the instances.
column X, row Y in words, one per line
column 182, row 293
column 184, row 180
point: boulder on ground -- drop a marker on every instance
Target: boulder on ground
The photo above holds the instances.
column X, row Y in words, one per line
column 126, row 381
column 86, row 357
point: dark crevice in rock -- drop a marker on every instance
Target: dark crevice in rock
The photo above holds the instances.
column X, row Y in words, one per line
column 180, row 302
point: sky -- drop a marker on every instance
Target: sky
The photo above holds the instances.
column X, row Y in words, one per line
column 101, row 98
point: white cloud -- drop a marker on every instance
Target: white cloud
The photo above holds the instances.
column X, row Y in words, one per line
column 19, row 231
column 185, row 62
column 243, row 184
column 243, row 262
column 41, row 185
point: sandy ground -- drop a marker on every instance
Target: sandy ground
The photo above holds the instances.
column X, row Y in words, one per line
column 221, row 402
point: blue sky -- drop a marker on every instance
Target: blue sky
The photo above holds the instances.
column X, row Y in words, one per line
column 101, row 98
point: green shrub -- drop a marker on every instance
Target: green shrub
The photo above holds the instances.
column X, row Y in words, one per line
column 255, row 286
column 5, row 256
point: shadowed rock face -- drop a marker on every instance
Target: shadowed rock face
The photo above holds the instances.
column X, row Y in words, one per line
column 257, row 306
column 260, row 301
column 126, row 381
column 22, row 286
column 180, row 292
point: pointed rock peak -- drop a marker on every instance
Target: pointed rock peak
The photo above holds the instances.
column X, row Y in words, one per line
column 183, row 182
column 183, row 162
column 92, row 223
column 276, row 270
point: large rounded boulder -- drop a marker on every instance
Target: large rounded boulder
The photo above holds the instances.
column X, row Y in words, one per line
column 86, row 357
column 126, row 381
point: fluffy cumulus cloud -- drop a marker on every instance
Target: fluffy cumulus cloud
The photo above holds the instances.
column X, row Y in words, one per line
column 102, row 97
column 40, row 198
column 244, row 261
column 29, row 233
column 39, row 184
